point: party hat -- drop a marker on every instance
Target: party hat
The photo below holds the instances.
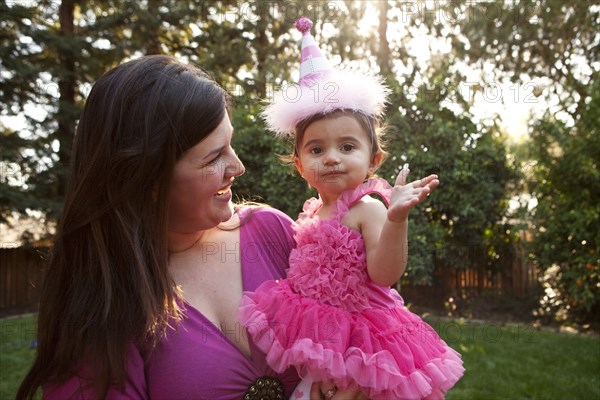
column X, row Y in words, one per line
column 322, row 89
column 313, row 64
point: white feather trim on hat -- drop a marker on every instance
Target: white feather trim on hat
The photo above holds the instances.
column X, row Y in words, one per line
column 338, row 90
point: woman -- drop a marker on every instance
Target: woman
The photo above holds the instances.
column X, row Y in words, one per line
column 141, row 294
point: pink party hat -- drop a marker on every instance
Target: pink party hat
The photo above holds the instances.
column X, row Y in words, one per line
column 322, row 89
column 313, row 64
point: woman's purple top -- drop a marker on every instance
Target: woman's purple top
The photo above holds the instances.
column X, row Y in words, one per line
column 197, row 360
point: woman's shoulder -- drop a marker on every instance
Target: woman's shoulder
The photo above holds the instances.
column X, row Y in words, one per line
column 265, row 220
column 266, row 238
column 247, row 212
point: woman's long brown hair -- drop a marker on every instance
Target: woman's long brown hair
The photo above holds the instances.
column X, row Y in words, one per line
column 107, row 284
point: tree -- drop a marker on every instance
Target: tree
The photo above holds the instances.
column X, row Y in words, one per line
column 545, row 41
column 431, row 127
column 565, row 221
column 52, row 52
column 553, row 44
column 31, row 36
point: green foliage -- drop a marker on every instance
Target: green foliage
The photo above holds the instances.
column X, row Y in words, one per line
column 528, row 40
column 549, row 40
column 452, row 228
column 566, row 218
column 20, row 85
column 12, row 198
column 552, row 45
column 48, row 66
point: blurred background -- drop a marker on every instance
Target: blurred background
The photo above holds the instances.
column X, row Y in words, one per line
column 500, row 98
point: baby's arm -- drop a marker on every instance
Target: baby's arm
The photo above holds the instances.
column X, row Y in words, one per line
column 386, row 232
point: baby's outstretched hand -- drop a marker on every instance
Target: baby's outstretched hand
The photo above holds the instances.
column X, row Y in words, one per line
column 407, row 195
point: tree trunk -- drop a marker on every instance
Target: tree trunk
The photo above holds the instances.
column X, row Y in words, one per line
column 384, row 45
column 153, row 27
column 261, row 56
column 66, row 85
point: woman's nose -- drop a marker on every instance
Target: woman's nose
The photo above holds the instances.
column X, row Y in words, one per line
column 237, row 167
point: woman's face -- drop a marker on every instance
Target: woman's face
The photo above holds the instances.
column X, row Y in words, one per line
column 200, row 191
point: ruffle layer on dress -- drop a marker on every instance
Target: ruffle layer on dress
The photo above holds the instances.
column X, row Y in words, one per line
column 390, row 354
column 326, row 272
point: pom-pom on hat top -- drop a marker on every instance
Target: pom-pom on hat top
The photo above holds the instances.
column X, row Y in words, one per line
column 322, row 89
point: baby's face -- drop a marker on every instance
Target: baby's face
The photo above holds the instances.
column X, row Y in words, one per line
column 335, row 155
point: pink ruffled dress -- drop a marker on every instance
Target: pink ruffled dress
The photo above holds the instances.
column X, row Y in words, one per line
column 330, row 321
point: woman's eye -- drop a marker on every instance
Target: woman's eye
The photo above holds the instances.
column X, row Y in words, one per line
column 214, row 160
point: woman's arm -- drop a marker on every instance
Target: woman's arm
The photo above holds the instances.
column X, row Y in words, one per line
column 82, row 386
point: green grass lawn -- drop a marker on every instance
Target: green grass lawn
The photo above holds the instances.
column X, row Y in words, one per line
column 16, row 353
column 519, row 362
column 502, row 362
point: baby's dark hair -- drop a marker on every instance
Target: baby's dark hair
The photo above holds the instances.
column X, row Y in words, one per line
column 371, row 125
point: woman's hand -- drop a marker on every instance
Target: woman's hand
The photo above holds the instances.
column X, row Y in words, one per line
column 327, row 390
column 406, row 196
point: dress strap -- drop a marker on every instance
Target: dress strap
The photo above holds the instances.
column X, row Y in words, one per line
column 310, row 207
column 347, row 199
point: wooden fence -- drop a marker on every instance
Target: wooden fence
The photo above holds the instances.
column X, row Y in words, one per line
column 518, row 279
column 21, row 274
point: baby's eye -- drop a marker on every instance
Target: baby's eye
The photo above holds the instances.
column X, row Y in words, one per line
column 348, row 147
column 316, row 150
